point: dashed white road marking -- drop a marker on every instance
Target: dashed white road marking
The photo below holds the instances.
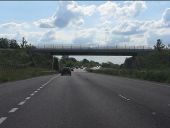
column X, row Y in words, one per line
column 13, row 110
column 51, row 79
column 43, row 85
column 27, row 98
column 22, row 102
column 32, row 94
column 124, row 97
column 38, row 89
column 2, row 119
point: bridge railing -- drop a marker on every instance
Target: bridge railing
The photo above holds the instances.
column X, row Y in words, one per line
column 74, row 46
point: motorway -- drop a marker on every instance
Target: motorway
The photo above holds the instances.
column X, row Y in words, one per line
column 84, row 100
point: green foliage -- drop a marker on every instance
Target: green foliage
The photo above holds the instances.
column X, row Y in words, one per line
column 154, row 66
column 72, row 62
column 109, row 65
column 56, row 64
column 15, row 56
column 42, row 60
column 68, row 62
column 13, row 44
column 159, row 76
column 24, row 43
column 159, row 45
column 23, row 73
column 4, row 43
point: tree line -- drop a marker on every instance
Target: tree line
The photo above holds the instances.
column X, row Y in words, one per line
column 13, row 44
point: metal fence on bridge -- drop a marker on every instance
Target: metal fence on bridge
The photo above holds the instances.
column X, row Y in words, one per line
column 76, row 46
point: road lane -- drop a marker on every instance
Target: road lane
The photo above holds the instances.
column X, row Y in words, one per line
column 12, row 93
column 87, row 100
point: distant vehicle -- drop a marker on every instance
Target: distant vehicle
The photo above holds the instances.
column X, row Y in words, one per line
column 66, row 71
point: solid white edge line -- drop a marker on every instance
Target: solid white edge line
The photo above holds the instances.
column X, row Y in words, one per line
column 2, row 119
column 13, row 110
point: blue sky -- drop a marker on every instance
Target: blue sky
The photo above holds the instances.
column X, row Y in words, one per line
column 86, row 22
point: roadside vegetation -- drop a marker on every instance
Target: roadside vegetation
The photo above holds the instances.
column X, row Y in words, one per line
column 154, row 66
column 17, row 62
column 23, row 73
column 72, row 62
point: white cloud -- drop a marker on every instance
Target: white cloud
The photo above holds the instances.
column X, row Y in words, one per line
column 128, row 28
column 14, row 26
column 85, row 36
column 163, row 22
column 124, row 11
column 108, row 9
column 56, row 37
column 166, row 17
column 67, row 13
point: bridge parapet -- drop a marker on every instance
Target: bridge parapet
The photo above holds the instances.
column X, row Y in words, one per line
column 93, row 50
column 74, row 46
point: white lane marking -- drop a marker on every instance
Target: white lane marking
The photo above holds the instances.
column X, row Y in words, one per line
column 22, row 102
column 27, row 98
column 38, row 89
column 41, row 87
column 123, row 97
column 13, row 110
column 168, row 105
column 2, row 119
column 32, row 94
column 52, row 79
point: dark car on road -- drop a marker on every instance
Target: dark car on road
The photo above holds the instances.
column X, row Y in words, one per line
column 66, row 71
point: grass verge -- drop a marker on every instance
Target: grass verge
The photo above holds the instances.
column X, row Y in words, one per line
column 151, row 75
column 23, row 73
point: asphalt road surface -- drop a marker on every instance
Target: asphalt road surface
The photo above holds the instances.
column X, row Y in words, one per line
column 84, row 100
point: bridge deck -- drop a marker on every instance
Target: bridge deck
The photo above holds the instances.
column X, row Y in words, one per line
column 84, row 50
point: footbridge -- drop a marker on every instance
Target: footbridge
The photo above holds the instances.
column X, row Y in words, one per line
column 92, row 50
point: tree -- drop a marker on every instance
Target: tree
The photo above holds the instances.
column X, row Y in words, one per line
column 4, row 43
column 13, row 44
column 56, row 64
column 159, row 45
column 24, row 43
column 109, row 65
column 85, row 61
